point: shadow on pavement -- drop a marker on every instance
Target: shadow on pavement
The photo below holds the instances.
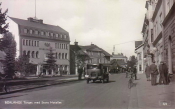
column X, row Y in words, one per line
column 104, row 82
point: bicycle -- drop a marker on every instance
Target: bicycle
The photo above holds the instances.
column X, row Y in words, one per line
column 4, row 87
column 130, row 82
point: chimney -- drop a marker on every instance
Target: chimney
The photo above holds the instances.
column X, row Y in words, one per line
column 30, row 19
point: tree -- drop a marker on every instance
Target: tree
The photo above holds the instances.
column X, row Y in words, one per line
column 132, row 61
column 51, row 61
column 10, row 51
column 22, row 64
column 3, row 18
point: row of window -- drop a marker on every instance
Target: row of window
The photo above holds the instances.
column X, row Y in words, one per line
column 61, row 46
column 30, row 43
column 60, row 55
column 35, row 54
column 32, row 54
column 92, row 53
column 43, row 33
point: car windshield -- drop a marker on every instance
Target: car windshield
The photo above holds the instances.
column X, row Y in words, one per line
column 93, row 67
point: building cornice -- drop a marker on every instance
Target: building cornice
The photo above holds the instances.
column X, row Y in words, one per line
column 169, row 15
column 156, row 9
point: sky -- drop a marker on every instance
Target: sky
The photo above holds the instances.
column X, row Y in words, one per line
column 104, row 23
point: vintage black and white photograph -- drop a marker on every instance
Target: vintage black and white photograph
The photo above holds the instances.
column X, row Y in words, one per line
column 87, row 54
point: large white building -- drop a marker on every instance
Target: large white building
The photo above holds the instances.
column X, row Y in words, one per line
column 35, row 38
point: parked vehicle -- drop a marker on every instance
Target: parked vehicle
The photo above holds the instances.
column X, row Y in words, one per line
column 97, row 72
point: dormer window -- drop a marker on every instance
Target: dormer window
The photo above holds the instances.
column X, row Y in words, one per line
column 56, row 35
column 47, row 34
column 42, row 33
column 61, row 36
column 65, row 37
column 51, row 34
column 25, row 30
column 31, row 31
column 36, row 32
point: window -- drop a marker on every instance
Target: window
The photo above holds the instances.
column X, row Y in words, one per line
column 25, row 30
column 60, row 46
column 65, row 37
column 29, row 42
column 23, row 41
column 36, row 32
column 32, row 42
column 59, row 55
column 56, row 35
column 66, row 56
column 26, row 42
column 51, row 34
column 28, row 54
column 37, row 54
column 56, row 45
column 33, row 54
column 37, row 43
column 56, row 55
column 31, row 31
column 47, row 34
column 99, row 60
column 42, row 33
column 62, row 55
column 61, row 36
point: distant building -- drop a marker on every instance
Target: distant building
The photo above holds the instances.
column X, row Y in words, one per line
column 35, row 38
column 119, row 57
column 140, row 60
column 96, row 55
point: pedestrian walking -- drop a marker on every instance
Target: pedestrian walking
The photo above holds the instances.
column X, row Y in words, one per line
column 147, row 72
column 154, row 73
column 163, row 73
column 80, row 72
column 135, row 72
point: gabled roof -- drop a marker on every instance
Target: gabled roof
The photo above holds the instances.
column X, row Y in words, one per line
column 38, row 25
column 93, row 47
column 77, row 48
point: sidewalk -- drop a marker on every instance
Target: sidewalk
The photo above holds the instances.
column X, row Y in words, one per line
column 40, row 82
column 146, row 96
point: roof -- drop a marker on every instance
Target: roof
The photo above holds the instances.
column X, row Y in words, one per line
column 38, row 25
column 77, row 48
column 118, row 56
column 121, row 62
column 137, row 43
column 93, row 47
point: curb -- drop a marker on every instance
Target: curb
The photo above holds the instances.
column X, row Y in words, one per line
column 56, row 83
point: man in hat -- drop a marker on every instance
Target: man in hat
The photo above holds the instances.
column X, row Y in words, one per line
column 154, row 73
column 163, row 73
column 147, row 72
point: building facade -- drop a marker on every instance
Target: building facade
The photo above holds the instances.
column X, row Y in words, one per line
column 158, row 32
column 140, row 61
column 35, row 39
column 119, row 57
column 92, row 55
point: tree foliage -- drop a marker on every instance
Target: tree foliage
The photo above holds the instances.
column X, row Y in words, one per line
column 51, row 61
column 3, row 18
column 22, row 64
column 10, row 50
column 132, row 61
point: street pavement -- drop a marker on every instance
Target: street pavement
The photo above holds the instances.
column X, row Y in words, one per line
column 80, row 95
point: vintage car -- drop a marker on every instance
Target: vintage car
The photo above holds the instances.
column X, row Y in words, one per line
column 97, row 72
